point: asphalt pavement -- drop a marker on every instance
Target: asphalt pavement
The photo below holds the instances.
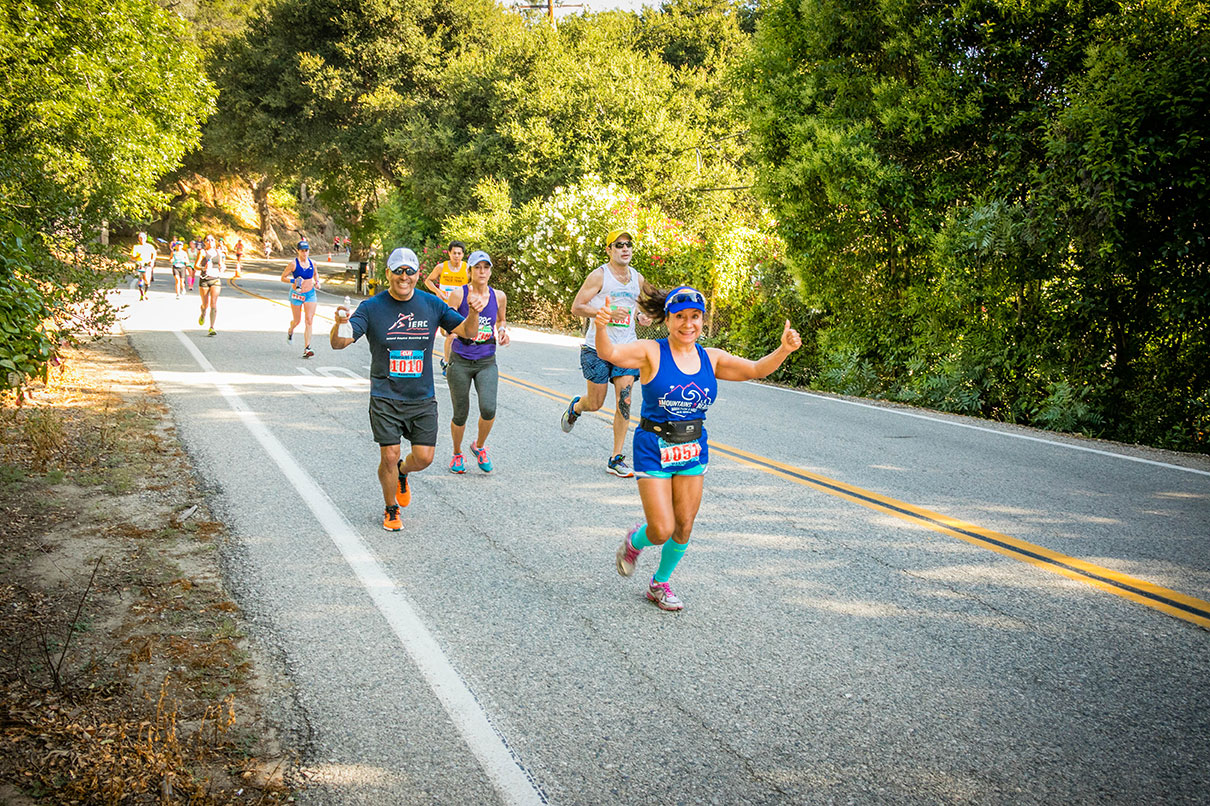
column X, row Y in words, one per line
column 883, row 605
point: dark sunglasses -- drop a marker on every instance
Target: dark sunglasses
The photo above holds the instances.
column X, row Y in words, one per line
column 686, row 295
column 623, row 245
column 408, row 270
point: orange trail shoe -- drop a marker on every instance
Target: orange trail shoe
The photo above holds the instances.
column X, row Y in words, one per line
column 390, row 519
column 403, row 492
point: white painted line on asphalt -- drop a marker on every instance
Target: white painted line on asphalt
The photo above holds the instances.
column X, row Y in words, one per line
column 503, row 768
column 985, row 429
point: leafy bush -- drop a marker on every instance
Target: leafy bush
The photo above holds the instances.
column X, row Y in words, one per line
column 1066, row 409
column 46, row 301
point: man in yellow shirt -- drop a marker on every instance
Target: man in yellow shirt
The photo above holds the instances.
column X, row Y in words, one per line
column 444, row 278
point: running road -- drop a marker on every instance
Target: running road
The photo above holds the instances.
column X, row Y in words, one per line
column 882, row 605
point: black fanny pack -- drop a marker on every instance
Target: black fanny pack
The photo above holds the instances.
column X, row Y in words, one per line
column 675, row 432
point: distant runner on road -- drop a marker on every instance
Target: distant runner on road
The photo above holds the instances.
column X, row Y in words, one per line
column 475, row 360
column 304, row 282
column 239, row 256
column 400, row 325
column 620, row 284
column 180, row 266
column 680, row 382
column 143, row 255
column 211, row 265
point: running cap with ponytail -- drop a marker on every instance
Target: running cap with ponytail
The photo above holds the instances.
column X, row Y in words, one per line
column 303, row 246
column 683, row 297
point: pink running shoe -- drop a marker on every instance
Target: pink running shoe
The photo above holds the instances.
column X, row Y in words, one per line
column 661, row 593
column 627, row 554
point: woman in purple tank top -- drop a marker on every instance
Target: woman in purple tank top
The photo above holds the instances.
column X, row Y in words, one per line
column 474, row 360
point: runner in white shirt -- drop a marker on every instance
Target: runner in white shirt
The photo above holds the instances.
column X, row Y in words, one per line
column 143, row 255
column 211, row 266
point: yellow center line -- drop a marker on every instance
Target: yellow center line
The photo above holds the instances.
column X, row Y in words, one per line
column 242, row 290
column 1168, row 601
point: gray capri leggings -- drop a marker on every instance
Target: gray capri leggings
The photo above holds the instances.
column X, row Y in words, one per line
column 458, row 377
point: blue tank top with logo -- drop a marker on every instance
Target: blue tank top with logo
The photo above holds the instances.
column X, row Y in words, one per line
column 673, row 395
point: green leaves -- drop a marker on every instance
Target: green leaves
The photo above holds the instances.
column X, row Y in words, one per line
column 99, row 99
column 995, row 202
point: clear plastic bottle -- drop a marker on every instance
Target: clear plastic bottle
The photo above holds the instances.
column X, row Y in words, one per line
column 344, row 329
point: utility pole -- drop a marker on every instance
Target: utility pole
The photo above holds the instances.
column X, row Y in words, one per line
column 549, row 6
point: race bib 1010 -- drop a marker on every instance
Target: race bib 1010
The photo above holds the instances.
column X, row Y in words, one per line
column 406, row 363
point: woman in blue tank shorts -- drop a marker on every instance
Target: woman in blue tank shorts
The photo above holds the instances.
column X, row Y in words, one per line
column 679, row 379
column 304, row 282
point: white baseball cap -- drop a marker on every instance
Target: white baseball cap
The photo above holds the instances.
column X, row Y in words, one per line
column 477, row 257
column 403, row 257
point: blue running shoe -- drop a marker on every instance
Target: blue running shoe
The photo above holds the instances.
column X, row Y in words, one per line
column 617, row 466
column 485, row 464
column 457, row 465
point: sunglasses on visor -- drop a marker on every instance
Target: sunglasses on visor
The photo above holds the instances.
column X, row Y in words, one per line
column 685, row 295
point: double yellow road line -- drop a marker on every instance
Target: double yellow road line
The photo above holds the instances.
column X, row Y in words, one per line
column 1171, row 602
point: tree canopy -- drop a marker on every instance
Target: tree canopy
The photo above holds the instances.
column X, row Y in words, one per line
column 97, row 101
column 998, row 207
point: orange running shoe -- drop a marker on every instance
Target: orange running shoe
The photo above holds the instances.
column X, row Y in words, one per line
column 403, row 493
column 390, row 519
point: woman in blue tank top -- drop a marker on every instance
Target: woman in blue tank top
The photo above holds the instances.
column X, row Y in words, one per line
column 304, row 281
column 679, row 379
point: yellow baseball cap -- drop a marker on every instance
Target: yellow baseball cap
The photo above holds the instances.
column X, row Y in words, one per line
column 615, row 234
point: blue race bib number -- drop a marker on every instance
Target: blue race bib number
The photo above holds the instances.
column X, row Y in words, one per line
column 406, row 363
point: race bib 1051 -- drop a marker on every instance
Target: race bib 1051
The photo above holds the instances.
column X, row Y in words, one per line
column 679, row 454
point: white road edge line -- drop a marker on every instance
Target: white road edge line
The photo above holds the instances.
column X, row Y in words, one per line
column 511, row 781
column 944, row 421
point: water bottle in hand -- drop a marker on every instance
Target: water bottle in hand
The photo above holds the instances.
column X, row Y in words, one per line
column 345, row 330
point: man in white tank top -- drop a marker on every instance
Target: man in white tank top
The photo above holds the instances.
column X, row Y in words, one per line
column 618, row 282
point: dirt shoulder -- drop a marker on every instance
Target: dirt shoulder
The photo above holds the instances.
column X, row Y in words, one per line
column 126, row 674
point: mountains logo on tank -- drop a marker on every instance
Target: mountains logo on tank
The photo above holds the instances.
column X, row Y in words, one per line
column 685, row 399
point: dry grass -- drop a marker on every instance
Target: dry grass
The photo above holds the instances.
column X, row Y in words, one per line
column 125, row 675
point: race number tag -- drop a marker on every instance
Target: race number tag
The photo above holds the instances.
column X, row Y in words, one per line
column 446, row 290
column 485, row 329
column 615, row 310
column 679, row 454
column 298, row 296
column 406, row 363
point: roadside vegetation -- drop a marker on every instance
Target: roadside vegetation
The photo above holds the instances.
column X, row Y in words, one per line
column 125, row 673
column 990, row 208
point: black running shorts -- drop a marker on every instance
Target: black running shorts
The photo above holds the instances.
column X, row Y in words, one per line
column 412, row 420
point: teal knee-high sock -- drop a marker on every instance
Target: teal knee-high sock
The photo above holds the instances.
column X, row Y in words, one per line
column 639, row 539
column 669, row 557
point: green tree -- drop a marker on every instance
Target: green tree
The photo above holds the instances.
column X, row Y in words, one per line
column 313, row 87
column 541, row 108
column 1126, row 183
column 84, row 141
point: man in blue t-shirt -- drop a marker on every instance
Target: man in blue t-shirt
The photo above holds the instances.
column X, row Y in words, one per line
column 400, row 325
